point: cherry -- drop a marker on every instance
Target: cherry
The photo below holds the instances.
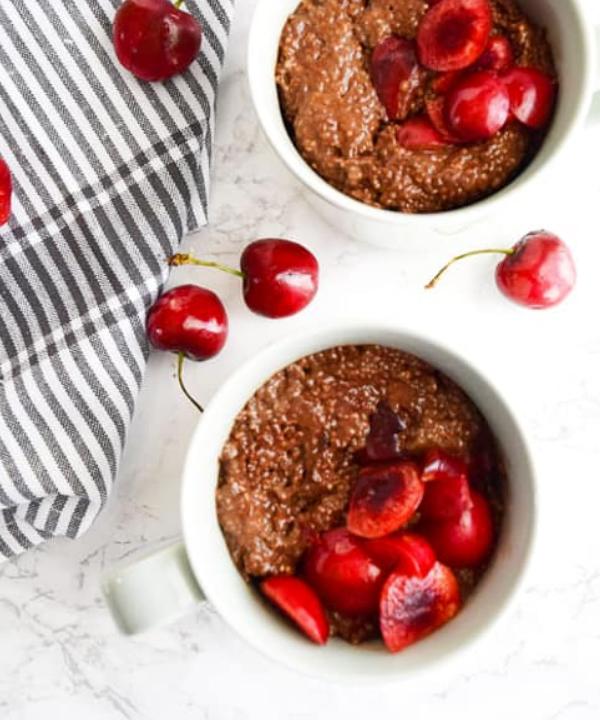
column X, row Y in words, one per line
column 498, row 55
column 384, row 498
column 395, row 74
column 454, row 33
column 413, row 607
column 463, row 541
column 418, row 133
column 155, row 39
column 280, row 277
column 191, row 321
column 300, row 603
column 446, row 498
column 343, row 575
column 403, row 552
column 5, row 192
column 437, row 115
column 438, row 465
column 382, row 443
column 538, row 272
column 531, row 94
column 477, row 106
column 444, row 81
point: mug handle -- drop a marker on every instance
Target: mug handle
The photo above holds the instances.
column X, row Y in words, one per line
column 152, row 591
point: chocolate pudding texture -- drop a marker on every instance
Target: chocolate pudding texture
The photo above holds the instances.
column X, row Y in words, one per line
column 341, row 129
column 288, row 467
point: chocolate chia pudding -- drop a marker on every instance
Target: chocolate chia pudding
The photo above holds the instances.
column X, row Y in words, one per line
column 342, row 130
column 289, row 465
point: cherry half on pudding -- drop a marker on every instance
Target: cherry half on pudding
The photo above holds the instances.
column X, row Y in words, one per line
column 361, row 492
column 417, row 106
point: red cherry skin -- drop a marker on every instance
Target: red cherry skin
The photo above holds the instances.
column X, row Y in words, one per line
column 384, row 498
column 403, row 552
column 418, row 133
column 435, row 107
column 532, row 94
column 395, row 74
column 498, row 55
column 446, row 498
column 342, row 574
column 540, row 273
column 444, row 81
column 300, row 603
column 413, row 607
column 477, row 106
column 438, row 465
column 188, row 319
column 5, row 192
column 281, row 277
column 464, row 541
column 155, row 40
column 454, row 33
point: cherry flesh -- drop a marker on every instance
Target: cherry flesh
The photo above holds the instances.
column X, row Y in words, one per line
column 395, row 75
column 403, row 552
column 498, row 55
column 477, row 106
column 418, row 133
column 5, row 192
column 155, row 39
column 382, row 443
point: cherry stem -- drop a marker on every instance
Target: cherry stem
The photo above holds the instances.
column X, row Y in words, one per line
column 433, row 282
column 188, row 259
column 178, row 4
column 195, row 403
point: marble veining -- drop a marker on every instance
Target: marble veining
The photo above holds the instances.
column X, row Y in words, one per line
column 60, row 655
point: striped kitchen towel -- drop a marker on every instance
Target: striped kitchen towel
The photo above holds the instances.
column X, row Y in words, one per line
column 108, row 173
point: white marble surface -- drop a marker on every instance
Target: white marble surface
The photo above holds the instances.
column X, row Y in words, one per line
column 60, row 656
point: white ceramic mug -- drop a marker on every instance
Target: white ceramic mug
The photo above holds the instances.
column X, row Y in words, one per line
column 163, row 585
column 575, row 45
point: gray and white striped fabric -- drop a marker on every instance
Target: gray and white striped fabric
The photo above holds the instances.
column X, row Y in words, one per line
column 108, row 173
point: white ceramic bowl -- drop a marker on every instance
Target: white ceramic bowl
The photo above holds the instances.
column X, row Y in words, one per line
column 572, row 39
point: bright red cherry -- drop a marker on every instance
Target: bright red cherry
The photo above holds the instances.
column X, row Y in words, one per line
column 538, row 272
column 281, row 277
column 155, row 39
column 465, row 540
column 403, row 552
column 188, row 319
column 454, row 33
column 395, row 74
column 5, row 192
column 498, row 55
column 531, row 94
column 343, row 575
column 300, row 603
column 477, row 106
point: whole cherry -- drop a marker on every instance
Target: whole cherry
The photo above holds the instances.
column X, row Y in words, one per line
column 155, row 39
column 5, row 192
column 280, row 277
column 477, row 106
column 188, row 320
column 538, row 272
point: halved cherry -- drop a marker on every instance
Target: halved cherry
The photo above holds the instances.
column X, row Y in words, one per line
column 477, row 107
column 463, row 541
column 532, row 94
column 345, row 578
column 384, row 498
column 300, row 603
column 382, row 443
column 439, row 465
column 413, row 607
column 454, row 33
column 444, row 82
column 436, row 113
column 418, row 133
column 404, row 552
column 498, row 55
column 395, row 74
column 446, row 498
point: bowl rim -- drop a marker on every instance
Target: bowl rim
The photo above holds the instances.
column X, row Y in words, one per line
column 273, row 127
column 263, row 363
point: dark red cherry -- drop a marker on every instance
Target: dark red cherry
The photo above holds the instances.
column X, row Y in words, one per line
column 5, row 192
column 454, row 33
column 498, row 55
column 395, row 74
column 155, row 39
column 382, row 443
column 477, row 106
column 539, row 272
column 188, row 319
column 531, row 94
column 281, row 277
column 418, row 133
